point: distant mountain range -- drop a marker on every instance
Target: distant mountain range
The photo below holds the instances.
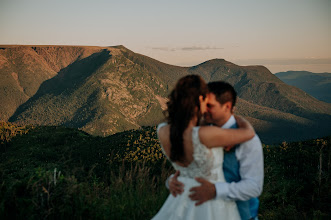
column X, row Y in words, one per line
column 317, row 85
column 104, row 90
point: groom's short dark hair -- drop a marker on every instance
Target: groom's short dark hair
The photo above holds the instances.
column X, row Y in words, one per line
column 223, row 91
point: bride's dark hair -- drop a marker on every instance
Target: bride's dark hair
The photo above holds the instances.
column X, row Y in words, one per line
column 183, row 105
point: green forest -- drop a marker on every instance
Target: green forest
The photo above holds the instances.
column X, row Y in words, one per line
column 51, row 172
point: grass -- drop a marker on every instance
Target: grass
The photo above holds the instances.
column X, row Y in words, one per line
column 62, row 173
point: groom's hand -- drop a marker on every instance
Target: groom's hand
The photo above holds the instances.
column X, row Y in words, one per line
column 175, row 187
column 206, row 191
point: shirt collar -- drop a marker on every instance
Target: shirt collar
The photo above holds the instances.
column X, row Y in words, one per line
column 230, row 122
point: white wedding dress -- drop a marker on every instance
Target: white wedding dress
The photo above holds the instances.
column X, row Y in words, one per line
column 207, row 163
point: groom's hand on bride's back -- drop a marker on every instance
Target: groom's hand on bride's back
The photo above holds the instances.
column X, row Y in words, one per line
column 206, row 191
column 175, row 187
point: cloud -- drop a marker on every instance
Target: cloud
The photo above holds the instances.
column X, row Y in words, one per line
column 192, row 48
column 164, row 48
column 201, row 48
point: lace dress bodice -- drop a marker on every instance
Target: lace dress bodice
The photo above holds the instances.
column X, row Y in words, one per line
column 207, row 163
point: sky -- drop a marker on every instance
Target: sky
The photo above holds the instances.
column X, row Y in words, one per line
column 282, row 35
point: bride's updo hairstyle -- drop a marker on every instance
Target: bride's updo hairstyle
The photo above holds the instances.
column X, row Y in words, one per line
column 183, row 105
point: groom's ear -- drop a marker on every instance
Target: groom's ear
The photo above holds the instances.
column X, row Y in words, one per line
column 228, row 106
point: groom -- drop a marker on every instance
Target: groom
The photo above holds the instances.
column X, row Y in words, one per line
column 242, row 166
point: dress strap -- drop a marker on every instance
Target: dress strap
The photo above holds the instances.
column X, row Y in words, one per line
column 161, row 125
column 195, row 135
column 199, row 149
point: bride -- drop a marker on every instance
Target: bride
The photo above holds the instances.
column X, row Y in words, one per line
column 195, row 151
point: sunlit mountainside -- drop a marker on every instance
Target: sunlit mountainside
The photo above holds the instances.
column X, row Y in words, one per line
column 104, row 90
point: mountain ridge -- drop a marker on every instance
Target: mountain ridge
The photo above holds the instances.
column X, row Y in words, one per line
column 317, row 85
column 104, row 90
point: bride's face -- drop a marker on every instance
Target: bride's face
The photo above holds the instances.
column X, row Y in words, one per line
column 203, row 104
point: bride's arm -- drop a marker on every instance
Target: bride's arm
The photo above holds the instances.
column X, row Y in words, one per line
column 213, row 136
column 242, row 122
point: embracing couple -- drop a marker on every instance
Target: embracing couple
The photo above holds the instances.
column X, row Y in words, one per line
column 209, row 183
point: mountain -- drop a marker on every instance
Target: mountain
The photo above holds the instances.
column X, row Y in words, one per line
column 104, row 90
column 23, row 69
column 317, row 85
column 102, row 93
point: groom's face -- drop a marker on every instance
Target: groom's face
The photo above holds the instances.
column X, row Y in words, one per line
column 216, row 112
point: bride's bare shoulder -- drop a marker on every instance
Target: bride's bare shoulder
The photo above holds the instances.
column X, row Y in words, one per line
column 163, row 132
column 164, row 138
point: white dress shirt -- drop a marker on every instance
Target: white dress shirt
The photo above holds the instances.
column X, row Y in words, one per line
column 251, row 170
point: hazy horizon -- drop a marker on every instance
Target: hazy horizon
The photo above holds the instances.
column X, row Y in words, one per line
column 281, row 35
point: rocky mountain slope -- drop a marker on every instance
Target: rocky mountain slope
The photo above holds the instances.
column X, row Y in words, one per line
column 102, row 93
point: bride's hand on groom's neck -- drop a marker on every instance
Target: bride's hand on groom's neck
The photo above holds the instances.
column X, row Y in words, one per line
column 243, row 123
